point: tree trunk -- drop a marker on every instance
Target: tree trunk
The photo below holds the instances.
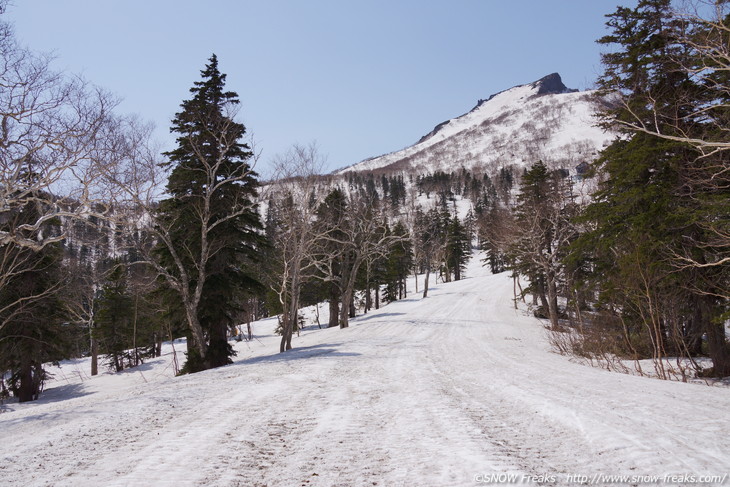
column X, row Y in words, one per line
column 552, row 302
column 334, row 306
column 196, row 330
column 218, row 347
column 290, row 333
column 716, row 338
column 134, row 331
column 94, row 352
column 287, row 326
column 425, row 281
column 718, row 347
column 287, row 330
column 26, row 390
column 368, row 298
column 348, row 296
column 345, row 309
column 694, row 329
column 293, row 314
column 158, row 344
column 118, row 363
column 540, row 291
column 284, row 334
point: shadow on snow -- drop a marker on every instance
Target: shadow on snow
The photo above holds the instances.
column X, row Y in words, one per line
column 298, row 353
column 371, row 316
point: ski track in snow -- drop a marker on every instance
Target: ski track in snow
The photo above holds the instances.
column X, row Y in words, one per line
column 428, row 392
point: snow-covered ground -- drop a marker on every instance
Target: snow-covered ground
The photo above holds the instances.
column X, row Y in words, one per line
column 455, row 389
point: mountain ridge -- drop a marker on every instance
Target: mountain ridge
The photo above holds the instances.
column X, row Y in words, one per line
column 551, row 84
column 542, row 120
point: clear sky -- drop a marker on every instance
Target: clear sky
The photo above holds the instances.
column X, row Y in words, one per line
column 361, row 78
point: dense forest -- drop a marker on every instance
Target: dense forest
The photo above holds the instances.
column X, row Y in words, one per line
column 107, row 248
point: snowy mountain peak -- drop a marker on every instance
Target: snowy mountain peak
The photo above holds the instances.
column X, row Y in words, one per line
column 543, row 120
column 551, row 84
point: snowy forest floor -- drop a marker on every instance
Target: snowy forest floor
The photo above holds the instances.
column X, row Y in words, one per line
column 446, row 390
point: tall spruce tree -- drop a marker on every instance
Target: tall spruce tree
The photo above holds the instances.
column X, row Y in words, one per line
column 430, row 241
column 397, row 264
column 127, row 326
column 458, row 248
column 114, row 317
column 645, row 212
column 543, row 232
column 209, row 225
column 331, row 221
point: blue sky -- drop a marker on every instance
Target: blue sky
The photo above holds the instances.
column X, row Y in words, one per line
column 360, row 78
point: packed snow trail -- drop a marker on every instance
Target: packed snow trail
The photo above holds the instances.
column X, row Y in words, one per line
column 439, row 391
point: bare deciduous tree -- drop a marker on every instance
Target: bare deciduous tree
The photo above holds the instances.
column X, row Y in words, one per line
column 51, row 128
column 296, row 198
column 543, row 232
column 364, row 236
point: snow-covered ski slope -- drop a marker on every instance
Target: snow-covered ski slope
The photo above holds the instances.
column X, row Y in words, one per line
column 537, row 121
column 446, row 390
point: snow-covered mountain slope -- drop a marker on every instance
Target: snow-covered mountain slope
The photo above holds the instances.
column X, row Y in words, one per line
column 543, row 120
column 446, row 390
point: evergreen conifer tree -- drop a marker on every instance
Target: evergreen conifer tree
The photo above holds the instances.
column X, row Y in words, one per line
column 210, row 223
column 114, row 318
column 398, row 263
column 543, row 232
column 331, row 221
column 646, row 210
column 458, row 248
